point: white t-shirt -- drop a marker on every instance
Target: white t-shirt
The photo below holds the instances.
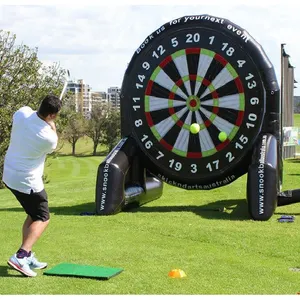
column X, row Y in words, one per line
column 30, row 141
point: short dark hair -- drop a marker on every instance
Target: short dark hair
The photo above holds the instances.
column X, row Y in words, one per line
column 50, row 105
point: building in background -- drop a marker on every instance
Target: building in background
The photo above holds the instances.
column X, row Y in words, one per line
column 98, row 97
column 113, row 96
column 83, row 99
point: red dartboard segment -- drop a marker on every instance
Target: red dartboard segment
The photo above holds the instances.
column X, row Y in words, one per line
column 206, row 82
column 221, row 60
column 165, row 61
column 240, row 118
column 215, row 110
column 171, row 96
column 179, row 82
column 193, row 51
column 207, row 123
column 179, row 123
column 222, row 145
column 171, row 111
column 166, row 145
column 194, row 155
column 215, row 95
column 193, row 77
column 239, row 85
column 149, row 119
column 149, row 88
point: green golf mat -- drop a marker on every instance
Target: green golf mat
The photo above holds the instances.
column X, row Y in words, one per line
column 66, row 269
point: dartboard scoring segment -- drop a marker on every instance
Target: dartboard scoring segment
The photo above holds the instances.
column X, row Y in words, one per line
column 196, row 76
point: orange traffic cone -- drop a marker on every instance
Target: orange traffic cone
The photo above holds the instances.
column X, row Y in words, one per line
column 177, row 273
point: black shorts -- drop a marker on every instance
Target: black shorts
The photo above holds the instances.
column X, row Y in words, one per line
column 34, row 204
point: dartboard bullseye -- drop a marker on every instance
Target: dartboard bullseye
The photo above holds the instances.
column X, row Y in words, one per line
column 196, row 102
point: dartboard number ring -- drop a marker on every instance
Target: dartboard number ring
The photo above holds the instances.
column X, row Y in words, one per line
column 195, row 76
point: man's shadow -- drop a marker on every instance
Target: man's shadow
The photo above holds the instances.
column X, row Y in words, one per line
column 4, row 272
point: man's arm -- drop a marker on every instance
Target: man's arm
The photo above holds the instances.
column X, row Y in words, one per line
column 53, row 139
column 52, row 125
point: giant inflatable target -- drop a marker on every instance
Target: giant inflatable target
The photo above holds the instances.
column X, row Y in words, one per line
column 200, row 107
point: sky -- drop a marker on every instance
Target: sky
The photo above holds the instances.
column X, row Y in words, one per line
column 96, row 42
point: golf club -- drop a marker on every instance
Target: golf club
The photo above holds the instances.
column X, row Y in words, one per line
column 67, row 78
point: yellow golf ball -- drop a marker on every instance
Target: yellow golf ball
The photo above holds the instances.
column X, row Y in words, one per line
column 194, row 128
column 222, row 136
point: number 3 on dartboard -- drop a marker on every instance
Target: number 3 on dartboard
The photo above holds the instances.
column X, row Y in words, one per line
column 194, row 168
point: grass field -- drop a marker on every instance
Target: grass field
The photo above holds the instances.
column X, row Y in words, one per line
column 296, row 120
column 221, row 252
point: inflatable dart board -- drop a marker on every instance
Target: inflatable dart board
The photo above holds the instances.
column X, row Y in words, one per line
column 208, row 71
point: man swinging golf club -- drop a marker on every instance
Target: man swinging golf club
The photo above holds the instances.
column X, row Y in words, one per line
column 33, row 136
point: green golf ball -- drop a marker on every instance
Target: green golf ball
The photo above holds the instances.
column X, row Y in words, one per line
column 194, row 128
column 222, row 136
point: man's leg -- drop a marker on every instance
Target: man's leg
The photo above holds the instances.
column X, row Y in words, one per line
column 27, row 223
column 36, row 207
column 32, row 230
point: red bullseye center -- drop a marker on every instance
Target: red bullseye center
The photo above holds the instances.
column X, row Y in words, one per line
column 193, row 103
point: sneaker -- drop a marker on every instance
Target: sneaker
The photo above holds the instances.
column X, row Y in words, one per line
column 21, row 265
column 34, row 263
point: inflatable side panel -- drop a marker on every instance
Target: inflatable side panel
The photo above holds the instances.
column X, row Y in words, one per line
column 288, row 197
column 262, row 179
column 111, row 178
column 122, row 180
column 137, row 196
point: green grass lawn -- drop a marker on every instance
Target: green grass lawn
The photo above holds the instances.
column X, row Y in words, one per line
column 221, row 252
column 296, row 120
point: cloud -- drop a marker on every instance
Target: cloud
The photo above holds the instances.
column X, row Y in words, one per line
column 96, row 42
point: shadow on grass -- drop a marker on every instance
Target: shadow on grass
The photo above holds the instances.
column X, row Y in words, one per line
column 231, row 209
column 235, row 209
column 74, row 210
column 293, row 160
column 4, row 272
column 99, row 153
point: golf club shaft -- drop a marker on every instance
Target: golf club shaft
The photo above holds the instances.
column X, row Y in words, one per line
column 65, row 85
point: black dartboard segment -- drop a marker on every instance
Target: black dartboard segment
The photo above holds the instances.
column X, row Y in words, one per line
column 194, row 74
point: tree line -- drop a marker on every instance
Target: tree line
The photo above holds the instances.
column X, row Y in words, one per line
column 102, row 126
column 25, row 81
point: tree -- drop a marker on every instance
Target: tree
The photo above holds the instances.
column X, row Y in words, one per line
column 96, row 124
column 23, row 81
column 66, row 113
column 23, row 78
column 112, row 129
column 75, row 129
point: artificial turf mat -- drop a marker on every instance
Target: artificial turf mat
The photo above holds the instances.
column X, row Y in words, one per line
column 67, row 269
